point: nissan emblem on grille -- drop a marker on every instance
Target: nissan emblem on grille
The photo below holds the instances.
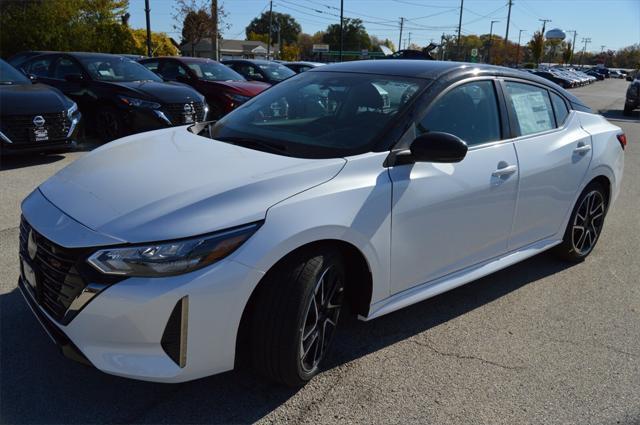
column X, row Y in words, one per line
column 38, row 121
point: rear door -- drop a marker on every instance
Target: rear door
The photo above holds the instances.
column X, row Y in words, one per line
column 554, row 153
column 446, row 217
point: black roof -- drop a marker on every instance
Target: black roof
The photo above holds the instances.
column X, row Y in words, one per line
column 254, row 61
column 434, row 70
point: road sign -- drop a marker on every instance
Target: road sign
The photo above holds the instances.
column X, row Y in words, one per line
column 474, row 53
column 320, row 48
column 364, row 53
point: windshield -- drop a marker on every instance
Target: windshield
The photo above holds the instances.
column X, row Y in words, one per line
column 214, row 71
column 319, row 114
column 117, row 68
column 10, row 75
column 275, row 71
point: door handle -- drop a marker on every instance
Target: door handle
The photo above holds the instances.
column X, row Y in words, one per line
column 582, row 148
column 506, row 170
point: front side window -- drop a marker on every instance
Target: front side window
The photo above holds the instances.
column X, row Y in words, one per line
column 275, row 71
column 320, row 114
column 117, row 69
column 39, row 66
column 469, row 111
column 532, row 108
column 171, row 70
column 560, row 108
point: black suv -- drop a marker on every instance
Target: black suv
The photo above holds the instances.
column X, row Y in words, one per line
column 34, row 117
column 117, row 95
column 260, row 70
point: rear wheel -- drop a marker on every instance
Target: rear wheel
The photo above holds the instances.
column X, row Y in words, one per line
column 296, row 316
column 627, row 110
column 585, row 224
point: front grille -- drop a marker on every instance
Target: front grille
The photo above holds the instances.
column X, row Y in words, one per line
column 20, row 128
column 175, row 112
column 59, row 281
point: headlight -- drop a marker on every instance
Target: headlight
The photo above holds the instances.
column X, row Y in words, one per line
column 72, row 109
column 238, row 98
column 171, row 258
column 139, row 103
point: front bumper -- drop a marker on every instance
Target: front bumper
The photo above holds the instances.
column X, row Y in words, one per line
column 120, row 330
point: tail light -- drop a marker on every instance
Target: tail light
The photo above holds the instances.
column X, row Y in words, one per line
column 622, row 138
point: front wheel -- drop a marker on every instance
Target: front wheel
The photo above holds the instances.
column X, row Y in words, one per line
column 585, row 224
column 627, row 110
column 109, row 124
column 296, row 315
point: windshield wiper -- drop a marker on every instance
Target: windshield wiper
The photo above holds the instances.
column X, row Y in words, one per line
column 253, row 143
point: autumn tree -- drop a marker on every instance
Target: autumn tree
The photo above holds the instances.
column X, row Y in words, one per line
column 537, row 46
column 355, row 36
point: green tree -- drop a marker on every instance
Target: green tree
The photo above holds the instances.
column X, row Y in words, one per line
column 354, row 33
column 196, row 26
column 566, row 54
column 289, row 27
column 92, row 25
column 537, row 46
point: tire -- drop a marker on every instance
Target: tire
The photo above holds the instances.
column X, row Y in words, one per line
column 584, row 228
column 287, row 344
column 627, row 110
column 109, row 124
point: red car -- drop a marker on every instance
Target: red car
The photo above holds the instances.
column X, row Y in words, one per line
column 223, row 88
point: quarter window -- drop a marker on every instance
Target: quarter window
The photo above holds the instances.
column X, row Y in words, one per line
column 532, row 108
column 560, row 108
column 469, row 111
column 66, row 66
column 39, row 67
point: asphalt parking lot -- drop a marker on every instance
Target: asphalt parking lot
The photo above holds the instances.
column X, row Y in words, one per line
column 539, row 342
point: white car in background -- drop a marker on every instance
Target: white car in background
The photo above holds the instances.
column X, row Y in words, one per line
column 176, row 254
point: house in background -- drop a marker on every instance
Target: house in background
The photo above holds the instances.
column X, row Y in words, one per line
column 229, row 49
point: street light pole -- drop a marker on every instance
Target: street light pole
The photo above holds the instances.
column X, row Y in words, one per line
column 341, row 28
column 400, row 39
column 270, row 27
column 490, row 42
column 459, row 28
column 518, row 51
column 147, row 10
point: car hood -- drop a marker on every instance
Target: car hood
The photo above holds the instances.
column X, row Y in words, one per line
column 170, row 184
column 23, row 99
column 246, row 88
column 164, row 92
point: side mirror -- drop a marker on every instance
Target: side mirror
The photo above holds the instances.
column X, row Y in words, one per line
column 33, row 78
column 74, row 78
column 438, row 147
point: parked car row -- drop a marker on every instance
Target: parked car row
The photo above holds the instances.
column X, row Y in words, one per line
column 565, row 77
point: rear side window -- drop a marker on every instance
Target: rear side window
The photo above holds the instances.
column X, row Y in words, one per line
column 152, row 65
column 560, row 108
column 469, row 111
column 64, row 67
column 532, row 107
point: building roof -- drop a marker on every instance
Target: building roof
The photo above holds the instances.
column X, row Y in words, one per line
column 231, row 46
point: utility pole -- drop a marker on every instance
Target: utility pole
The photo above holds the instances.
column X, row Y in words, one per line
column 214, row 28
column 341, row 28
column 490, row 42
column 460, row 27
column 400, row 39
column 279, row 38
column 409, row 43
column 585, row 41
column 147, row 11
column 573, row 44
column 442, row 47
column 544, row 25
column 518, row 51
column 506, row 36
column 270, row 27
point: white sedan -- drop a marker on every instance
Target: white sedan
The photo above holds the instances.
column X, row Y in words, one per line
column 180, row 253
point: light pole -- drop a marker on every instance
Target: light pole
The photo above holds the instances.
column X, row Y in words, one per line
column 490, row 40
column 518, row 51
column 585, row 41
column 146, row 12
column 341, row 28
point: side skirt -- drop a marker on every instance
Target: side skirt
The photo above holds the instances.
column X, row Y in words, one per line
column 446, row 283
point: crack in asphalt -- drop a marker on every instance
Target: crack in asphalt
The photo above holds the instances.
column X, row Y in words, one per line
column 430, row 346
column 595, row 343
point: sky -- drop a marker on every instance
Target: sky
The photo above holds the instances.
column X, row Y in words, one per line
column 610, row 23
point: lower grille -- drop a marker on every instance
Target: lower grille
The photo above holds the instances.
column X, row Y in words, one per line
column 64, row 281
column 176, row 112
column 21, row 130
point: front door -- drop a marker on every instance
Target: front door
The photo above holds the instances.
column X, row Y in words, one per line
column 446, row 217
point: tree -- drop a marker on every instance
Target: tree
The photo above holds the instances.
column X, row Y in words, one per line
column 92, row 25
column 161, row 44
column 355, row 35
column 537, row 46
column 566, row 54
column 289, row 27
column 306, row 42
column 290, row 52
column 252, row 36
column 196, row 26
